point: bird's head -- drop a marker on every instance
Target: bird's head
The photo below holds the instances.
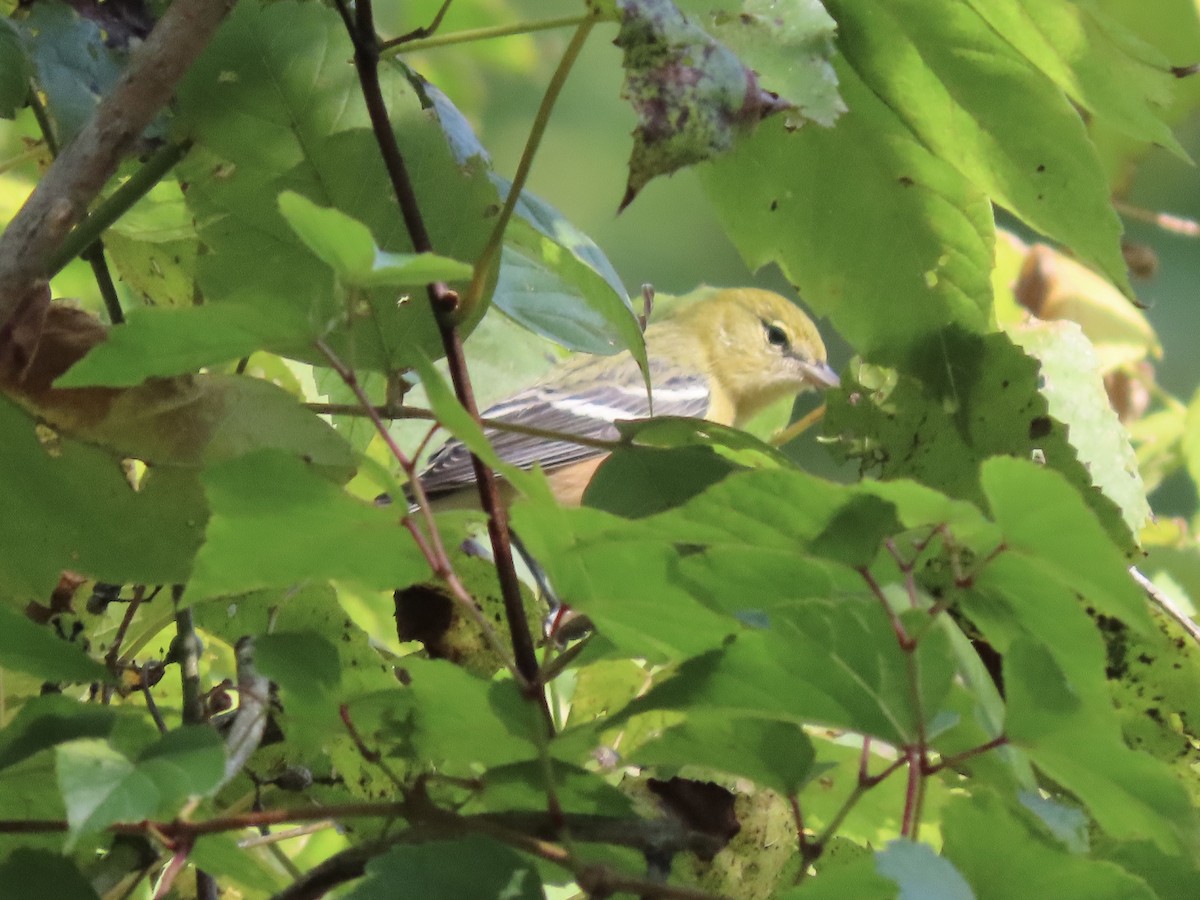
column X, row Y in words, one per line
column 763, row 348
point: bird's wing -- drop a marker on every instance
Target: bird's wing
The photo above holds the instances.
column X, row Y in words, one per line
column 588, row 412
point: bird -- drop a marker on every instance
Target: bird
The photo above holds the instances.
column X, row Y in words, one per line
column 723, row 354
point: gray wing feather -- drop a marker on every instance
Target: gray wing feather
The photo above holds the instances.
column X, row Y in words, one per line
column 572, row 413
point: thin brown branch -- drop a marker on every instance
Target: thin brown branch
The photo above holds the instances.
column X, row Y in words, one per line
column 445, row 303
column 86, row 164
column 432, row 547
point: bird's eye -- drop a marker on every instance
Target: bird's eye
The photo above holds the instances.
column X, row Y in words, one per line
column 776, row 336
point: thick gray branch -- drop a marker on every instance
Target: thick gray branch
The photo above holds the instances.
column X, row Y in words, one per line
column 86, row 164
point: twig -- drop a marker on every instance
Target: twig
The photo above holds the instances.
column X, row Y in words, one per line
column 432, row 549
column 536, row 130
column 398, row 46
column 1166, row 604
column 418, row 33
column 93, row 251
column 445, row 305
column 117, row 204
column 85, row 165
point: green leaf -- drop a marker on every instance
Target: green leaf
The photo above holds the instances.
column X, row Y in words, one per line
column 446, row 716
column 303, row 663
column 48, row 720
column 1062, row 535
column 1075, row 396
column 820, row 203
column 789, row 48
column 73, row 65
column 15, row 71
column 346, row 246
column 691, row 93
column 29, row 874
column 1100, row 66
column 160, row 342
column 274, row 107
column 435, row 871
column 35, row 649
column 555, row 281
column 148, row 537
column 1131, row 795
column 841, row 662
column 275, row 522
column 858, row 879
column 635, row 482
column 220, row 853
column 154, row 247
column 921, row 873
column 101, row 786
column 975, row 825
column 978, row 397
column 186, row 762
column 773, row 754
column 960, row 88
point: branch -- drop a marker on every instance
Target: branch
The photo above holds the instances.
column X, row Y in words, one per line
column 1166, row 604
column 85, row 165
column 445, row 304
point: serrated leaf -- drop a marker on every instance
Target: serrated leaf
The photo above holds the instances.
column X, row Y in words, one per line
column 975, row 823
column 789, row 46
column 273, row 107
column 1059, row 532
column 691, row 93
column 274, row 522
column 101, row 786
column 37, row 650
column 346, row 245
column 1131, row 795
column 978, row 397
column 188, row 761
column 1094, row 60
column 811, row 200
column 1076, row 396
column 444, row 715
column 435, row 871
column 842, row 664
column 959, row 104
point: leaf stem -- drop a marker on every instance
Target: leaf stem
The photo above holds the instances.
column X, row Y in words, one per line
column 536, row 131
column 400, row 45
column 118, row 203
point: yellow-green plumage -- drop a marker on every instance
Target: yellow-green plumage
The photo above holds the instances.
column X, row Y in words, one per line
column 724, row 356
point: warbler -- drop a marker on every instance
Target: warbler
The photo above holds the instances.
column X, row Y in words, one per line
column 724, row 356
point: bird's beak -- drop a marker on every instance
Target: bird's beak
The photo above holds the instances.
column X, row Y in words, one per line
column 820, row 376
